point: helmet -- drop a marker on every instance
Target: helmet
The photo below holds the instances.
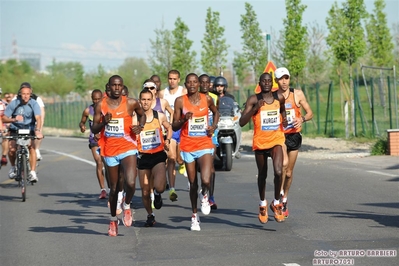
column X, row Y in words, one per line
column 220, row 81
column 211, row 79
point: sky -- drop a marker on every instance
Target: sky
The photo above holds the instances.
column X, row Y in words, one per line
column 107, row 32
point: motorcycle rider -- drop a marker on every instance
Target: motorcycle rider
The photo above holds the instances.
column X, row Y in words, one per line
column 220, row 87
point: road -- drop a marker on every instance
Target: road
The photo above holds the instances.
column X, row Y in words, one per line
column 335, row 205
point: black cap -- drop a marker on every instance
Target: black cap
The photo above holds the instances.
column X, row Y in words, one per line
column 25, row 85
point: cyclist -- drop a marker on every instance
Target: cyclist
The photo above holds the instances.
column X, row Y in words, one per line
column 23, row 113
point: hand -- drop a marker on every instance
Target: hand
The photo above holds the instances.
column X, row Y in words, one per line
column 210, row 130
column 97, row 136
column 83, row 129
column 258, row 105
column 136, row 129
column 19, row 118
column 107, row 117
column 285, row 122
column 188, row 116
column 166, row 145
column 39, row 134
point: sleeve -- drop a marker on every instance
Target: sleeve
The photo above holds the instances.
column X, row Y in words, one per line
column 10, row 108
column 40, row 101
column 35, row 107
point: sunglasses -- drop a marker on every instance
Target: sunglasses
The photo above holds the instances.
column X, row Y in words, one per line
column 150, row 88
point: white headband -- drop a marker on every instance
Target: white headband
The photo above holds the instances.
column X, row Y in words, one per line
column 149, row 84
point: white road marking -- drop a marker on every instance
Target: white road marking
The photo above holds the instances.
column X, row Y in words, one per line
column 291, row 264
column 74, row 157
column 381, row 173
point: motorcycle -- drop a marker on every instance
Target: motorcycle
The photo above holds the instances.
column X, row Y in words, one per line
column 229, row 134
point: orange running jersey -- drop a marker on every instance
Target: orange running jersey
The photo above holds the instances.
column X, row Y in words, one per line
column 268, row 130
column 150, row 139
column 116, row 136
column 193, row 136
column 293, row 111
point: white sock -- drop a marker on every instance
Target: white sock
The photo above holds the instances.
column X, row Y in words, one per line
column 194, row 216
column 282, row 193
column 152, row 197
column 276, row 202
column 120, row 195
column 284, row 199
column 262, row 203
column 126, row 206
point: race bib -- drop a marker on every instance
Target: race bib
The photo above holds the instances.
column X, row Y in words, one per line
column 270, row 120
column 150, row 139
column 290, row 118
column 115, row 128
column 197, row 126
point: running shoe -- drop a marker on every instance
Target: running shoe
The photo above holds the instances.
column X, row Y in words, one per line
column 103, row 194
column 12, row 173
column 212, row 203
column 127, row 218
column 262, row 216
column 277, row 210
column 150, row 221
column 195, row 223
column 113, row 228
column 172, row 195
column 205, row 207
column 158, row 201
column 32, row 177
column 4, row 160
column 182, row 169
column 286, row 213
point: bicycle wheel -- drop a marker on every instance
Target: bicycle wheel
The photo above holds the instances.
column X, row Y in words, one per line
column 24, row 176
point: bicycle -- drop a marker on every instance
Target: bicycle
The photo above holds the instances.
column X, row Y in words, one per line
column 23, row 139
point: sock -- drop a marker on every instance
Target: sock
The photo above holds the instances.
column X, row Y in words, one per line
column 152, row 197
column 120, row 195
column 113, row 218
column 262, row 203
column 285, row 200
column 126, row 206
column 194, row 216
column 282, row 193
column 171, row 189
column 276, row 202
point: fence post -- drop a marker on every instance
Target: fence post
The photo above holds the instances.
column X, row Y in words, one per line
column 389, row 104
column 372, row 107
column 318, row 107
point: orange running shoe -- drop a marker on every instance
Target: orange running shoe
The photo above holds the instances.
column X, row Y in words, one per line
column 113, row 228
column 285, row 210
column 277, row 210
column 262, row 216
column 127, row 217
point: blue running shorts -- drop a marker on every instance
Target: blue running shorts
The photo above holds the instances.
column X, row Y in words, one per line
column 116, row 160
column 189, row 157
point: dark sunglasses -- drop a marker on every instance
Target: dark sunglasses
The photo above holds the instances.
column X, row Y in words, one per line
column 150, row 88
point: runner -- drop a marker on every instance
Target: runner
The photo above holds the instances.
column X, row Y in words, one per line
column 152, row 158
column 294, row 100
column 113, row 117
column 267, row 110
column 191, row 116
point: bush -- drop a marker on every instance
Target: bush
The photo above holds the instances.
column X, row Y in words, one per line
column 380, row 147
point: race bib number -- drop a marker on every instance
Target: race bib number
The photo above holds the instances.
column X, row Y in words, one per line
column 270, row 120
column 197, row 126
column 290, row 118
column 150, row 139
column 115, row 128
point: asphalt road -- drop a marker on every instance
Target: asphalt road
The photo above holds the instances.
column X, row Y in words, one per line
column 343, row 205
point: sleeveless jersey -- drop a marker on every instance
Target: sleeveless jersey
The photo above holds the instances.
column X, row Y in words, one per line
column 193, row 135
column 150, row 139
column 210, row 114
column 268, row 130
column 116, row 137
column 172, row 97
column 158, row 106
column 293, row 111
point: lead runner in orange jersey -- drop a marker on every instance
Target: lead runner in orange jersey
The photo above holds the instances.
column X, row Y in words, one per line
column 191, row 116
column 267, row 111
column 113, row 118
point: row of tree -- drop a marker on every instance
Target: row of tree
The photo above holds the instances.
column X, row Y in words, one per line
column 311, row 55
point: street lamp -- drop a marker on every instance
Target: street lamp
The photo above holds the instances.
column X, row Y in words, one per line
column 267, row 35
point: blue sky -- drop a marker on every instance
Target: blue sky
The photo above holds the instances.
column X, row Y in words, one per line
column 106, row 32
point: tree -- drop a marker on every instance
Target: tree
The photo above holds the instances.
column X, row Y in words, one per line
column 295, row 39
column 254, row 48
column 346, row 38
column 240, row 66
column 316, row 62
column 100, row 78
column 214, row 46
column 80, row 85
column 395, row 30
column 13, row 73
column 183, row 59
column 134, row 71
column 379, row 37
column 162, row 52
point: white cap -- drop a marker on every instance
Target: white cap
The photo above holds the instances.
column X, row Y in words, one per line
column 149, row 84
column 280, row 72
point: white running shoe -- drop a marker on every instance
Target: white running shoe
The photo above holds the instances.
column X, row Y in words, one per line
column 32, row 177
column 205, row 207
column 195, row 224
column 12, row 173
